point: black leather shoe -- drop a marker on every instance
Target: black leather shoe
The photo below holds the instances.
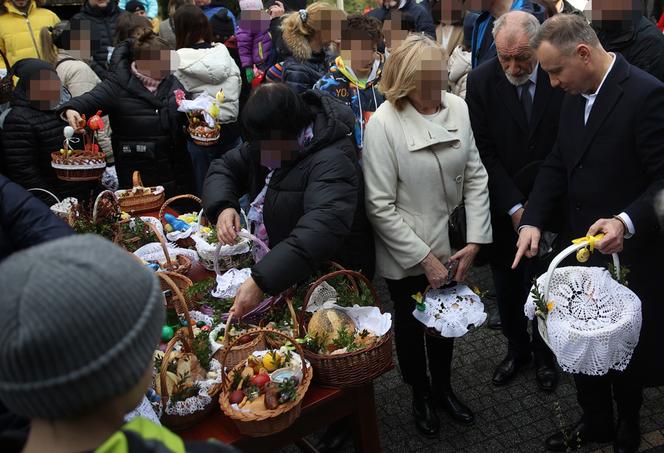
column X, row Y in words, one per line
column 426, row 419
column 507, row 369
column 456, row 409
column 546, row 374
column 493, row 321
column 574, row 437
column 628, row 436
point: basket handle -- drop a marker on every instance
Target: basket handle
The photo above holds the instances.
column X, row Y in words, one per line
column 251, row 237
column 182, row 301
column 99, row 197
column 136, row 180
column 162, row 211
column 164, row 247
column 225, row 381
column 564, row 254
column 39, row 189
column 164, row 363
column 346, row 273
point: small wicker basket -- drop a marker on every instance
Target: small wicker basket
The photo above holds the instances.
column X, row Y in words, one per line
column 140, row 199
column 79, row 165
column 181, row 264
column 238, row 352
column 185, row 243
column 355, row 368
column 173, row 285
column 270, row 421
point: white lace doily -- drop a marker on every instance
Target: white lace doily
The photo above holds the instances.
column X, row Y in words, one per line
column 595, row 321
column 145, row 410
column 198, row 316
column 451, row 311
column 321, row 294
column 206, row 250
column 154, row 252
column 230, row 282
column 197, row 402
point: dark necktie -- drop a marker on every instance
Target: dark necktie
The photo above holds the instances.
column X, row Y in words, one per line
column 526, row 100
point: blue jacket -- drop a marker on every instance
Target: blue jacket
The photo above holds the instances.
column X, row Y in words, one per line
column 418, row 11
column 482, row 27
column 24, row 220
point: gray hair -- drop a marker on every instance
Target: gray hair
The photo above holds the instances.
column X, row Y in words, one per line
column 565, row 32
column 526, row 22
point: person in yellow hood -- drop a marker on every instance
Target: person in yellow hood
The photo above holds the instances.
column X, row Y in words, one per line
column 20, row 23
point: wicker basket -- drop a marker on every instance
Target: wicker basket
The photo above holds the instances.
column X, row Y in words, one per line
column 181, row 422
column 185, row 243
column 79, row 166
column 269, row 421
column 350, row 369
column 174, row 285
column 181, row 264
column 142, row 202
column 113, row 200
column 208, row 137
column 275, row 342
column 238, row 352
column 221, row 263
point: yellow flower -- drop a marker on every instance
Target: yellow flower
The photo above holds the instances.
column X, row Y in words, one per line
column 418, row 297
column 550, row 306
column 477, row 290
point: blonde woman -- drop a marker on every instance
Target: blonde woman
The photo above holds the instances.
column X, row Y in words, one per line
column 420, row 162
column 310, row 35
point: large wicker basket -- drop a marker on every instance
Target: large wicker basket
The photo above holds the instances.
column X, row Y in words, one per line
column 350, row 369
column 181, row 422
column 269, row 421
column 232, row 355
column 140, row 199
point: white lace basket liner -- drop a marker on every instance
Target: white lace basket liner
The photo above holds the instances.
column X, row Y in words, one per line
column 451, row 311
column 595, row 321
column 154, row 252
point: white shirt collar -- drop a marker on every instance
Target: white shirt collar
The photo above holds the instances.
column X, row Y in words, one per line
column 594, row 95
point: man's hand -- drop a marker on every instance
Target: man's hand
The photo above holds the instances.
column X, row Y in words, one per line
column 614, row 235
column 516, row 219
column 434, row 270
column 465, row 256
column 248, row 296
column 276, row 10
column 528, row 244
column 228, row 224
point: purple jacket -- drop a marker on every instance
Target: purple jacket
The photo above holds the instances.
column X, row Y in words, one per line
column 254, row 43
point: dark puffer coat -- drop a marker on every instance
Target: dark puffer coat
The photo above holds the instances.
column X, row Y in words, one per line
column 640, row 42
column 102, row 27
column 25, row 221
column 314, row 206
column 302, row 75
column 147, row 128
column 29, row 136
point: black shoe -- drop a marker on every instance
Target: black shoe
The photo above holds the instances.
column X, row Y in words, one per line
column 493, row 321
column 507, row 369
column 574, row 437
column 426, row 419
column 455, row 408
column 336, row 435
column 546, row 374
column 628, row 435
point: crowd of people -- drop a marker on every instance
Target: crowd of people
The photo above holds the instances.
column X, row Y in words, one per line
column 408, row 143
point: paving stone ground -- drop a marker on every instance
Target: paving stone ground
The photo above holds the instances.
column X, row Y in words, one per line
column 514, row 418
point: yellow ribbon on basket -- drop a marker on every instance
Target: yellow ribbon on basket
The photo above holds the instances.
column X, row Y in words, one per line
column 583, row 255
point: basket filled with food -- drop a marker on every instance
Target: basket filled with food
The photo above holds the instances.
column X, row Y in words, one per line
column 223, row 336
column 87, row 164
column 347, row 338
column 203, row 115
column 140, row 199
column 263, row 393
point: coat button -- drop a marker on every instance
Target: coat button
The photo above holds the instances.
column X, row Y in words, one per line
column 580, row 167
column 578, row 206
column 456, row 145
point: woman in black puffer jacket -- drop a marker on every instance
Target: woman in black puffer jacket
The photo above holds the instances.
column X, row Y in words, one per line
column 32, row 131
column 140, row 102
column 308, row 34
column 313, row 206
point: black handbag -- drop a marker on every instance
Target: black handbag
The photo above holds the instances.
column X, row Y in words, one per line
column 456, row 221
column 7, row 82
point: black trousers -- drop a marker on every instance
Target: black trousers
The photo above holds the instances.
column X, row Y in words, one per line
column 413, row 345
column 596, row 394
column 512, row 288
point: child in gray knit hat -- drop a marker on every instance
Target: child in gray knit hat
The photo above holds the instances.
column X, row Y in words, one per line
column 81, row 320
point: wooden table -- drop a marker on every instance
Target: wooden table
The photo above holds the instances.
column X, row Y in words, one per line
column 320, row 407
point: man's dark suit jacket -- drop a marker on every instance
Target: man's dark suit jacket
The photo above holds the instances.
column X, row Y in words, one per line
column 614, row 164
column 511, row 150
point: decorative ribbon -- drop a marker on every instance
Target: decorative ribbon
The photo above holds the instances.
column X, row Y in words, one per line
column 590, row 240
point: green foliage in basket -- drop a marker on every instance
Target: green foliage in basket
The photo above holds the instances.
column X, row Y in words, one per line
column 200, row 292
column 105, row 225
column 136, row 237
column 201, row 348
column 622, row 278
column 313, row 343
column 346, row 340
column 184, row 388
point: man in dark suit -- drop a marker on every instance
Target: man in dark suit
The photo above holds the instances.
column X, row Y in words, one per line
column 608, row 163
column 514, row 112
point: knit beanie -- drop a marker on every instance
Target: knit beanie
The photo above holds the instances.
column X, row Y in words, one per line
column 133, row 5
column 81, row 320
column 251, row 5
